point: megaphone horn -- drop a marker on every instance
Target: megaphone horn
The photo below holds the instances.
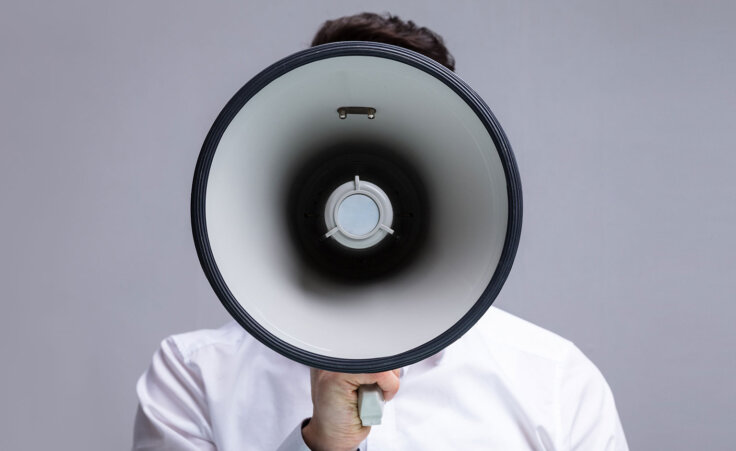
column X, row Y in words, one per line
column 356, row 207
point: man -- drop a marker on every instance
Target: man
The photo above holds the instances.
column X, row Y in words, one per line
column 506, row 384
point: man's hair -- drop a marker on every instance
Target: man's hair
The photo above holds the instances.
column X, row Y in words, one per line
column 387, row 29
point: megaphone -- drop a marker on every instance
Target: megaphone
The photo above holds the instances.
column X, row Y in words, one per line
column 356, row 207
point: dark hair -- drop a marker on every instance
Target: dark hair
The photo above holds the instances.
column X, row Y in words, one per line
column 389, row 30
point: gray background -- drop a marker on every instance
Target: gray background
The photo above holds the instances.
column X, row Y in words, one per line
column 621, row 115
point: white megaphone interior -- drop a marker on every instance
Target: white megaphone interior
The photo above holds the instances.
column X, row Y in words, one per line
column 430, row 126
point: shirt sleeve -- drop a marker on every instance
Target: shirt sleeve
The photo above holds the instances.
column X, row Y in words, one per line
column 588, row 416
column 295, row 440
column 172, row 411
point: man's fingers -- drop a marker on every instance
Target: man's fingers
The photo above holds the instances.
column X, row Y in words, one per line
column 388, row 381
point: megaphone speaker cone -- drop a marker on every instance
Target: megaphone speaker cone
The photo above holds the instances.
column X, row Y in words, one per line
column 356, row 207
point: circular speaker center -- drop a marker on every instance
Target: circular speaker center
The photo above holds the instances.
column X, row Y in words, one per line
column 357, row 215
column 356, row 211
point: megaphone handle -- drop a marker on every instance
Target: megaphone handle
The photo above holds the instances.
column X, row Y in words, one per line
column 370, row 404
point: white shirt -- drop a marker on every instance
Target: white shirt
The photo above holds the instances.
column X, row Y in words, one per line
column 505, row 385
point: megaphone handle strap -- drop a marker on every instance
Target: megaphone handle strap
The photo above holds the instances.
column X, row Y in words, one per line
column 370, row 404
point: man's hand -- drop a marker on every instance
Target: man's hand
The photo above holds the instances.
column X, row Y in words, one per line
column 335, row 424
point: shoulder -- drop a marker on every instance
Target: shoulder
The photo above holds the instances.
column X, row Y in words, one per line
column 534, row 358
column 188, row 345
column 172, row 392
column 541, row 362
column 178, row 357
column 502, row 330
column 228, row 352
column 515, row 341
column 211, row 356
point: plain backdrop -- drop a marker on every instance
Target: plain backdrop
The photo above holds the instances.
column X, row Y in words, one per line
column 622, row 115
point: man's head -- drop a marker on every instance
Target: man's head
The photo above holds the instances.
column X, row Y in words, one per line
column 387, row 29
